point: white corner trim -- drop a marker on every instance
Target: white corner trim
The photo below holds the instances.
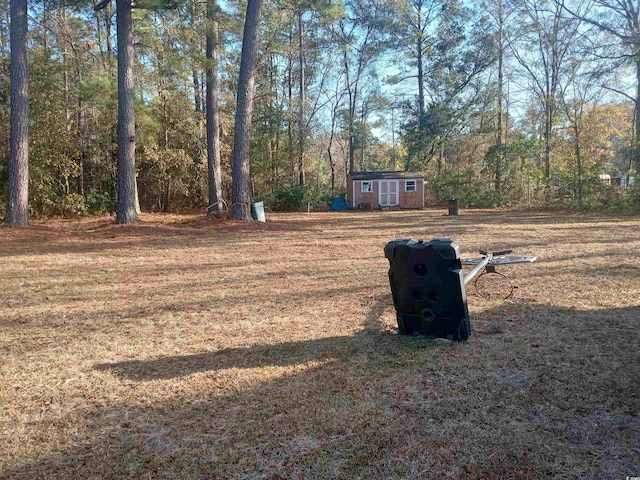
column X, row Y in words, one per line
column 353, row 193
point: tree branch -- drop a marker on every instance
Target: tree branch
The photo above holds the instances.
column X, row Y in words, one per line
column 102, row 5
column 620, row 92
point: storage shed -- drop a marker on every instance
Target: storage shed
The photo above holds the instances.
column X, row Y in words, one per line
column 386, row 189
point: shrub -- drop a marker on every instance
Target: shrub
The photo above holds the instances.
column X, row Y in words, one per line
column 164, row 175
column 299, row 197
column 73, row 205
column 318, row 196
column 465, row 186
column 100, row 202
column 288, row 199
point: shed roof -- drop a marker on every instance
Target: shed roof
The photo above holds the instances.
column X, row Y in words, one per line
column 384, row 175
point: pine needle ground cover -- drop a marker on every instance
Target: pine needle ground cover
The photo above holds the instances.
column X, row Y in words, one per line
column 191, row 348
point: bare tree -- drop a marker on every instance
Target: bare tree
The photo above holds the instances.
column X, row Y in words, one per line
column 500, row 100
column 244, row 110
column 362, row 37
column 580, row 91
column 542, row 48
column 335, row 102
column 213, row 119
column 301, row 115
column 500, row 16
column 418, row 36
column 620, row 20
column 18, row 198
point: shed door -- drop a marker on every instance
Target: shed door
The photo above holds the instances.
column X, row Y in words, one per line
column 388, row 193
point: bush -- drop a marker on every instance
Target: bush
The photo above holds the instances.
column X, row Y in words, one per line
column 100, row 202
column 164, row 176
column 288, row 199
column 318, row 196
column 615, row 198
column 299, row 197
column 73, row 205
column 465, row 186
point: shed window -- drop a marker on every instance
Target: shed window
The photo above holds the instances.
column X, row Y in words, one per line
column 366, row 187
column 410, row 186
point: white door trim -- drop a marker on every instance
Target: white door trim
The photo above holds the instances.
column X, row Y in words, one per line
column 388, row 193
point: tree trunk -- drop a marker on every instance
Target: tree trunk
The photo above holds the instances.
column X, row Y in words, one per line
column 499, row 133
column 500, row 136
column 352, row 93
column 196, row 92
column 213, row 120
column 292, row 159
column 66, row 88
column 552, row 88
column 576, row 131
column 421, row 102
column 332, row 163
column 80, row 140
column 4, row 25
column 636, row 149
column 194, row 72
column 127, row 212
column 548, row 125
column 167, row 196
column 498, row 160
column 18, row 196
column 302, row 126
column 99, row 35
column 107, row 26
column 351, row 161
column 420, row 61
column 244, row 110
column 274, row 123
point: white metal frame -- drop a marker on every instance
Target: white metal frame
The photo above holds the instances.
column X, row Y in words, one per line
column 415, row 186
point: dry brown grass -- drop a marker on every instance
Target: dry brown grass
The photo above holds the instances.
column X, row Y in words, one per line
column 190, row 348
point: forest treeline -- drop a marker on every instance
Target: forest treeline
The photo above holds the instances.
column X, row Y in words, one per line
column 499, row 103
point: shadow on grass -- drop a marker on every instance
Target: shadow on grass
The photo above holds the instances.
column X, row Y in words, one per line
column 550, row 394
column 285, row 354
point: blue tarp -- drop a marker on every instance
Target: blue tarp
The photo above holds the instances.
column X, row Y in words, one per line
column 339, row 205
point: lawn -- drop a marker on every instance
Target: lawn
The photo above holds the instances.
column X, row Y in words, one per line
column 191, row 348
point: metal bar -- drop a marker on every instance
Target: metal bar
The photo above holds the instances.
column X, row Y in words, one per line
column 477, row 268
